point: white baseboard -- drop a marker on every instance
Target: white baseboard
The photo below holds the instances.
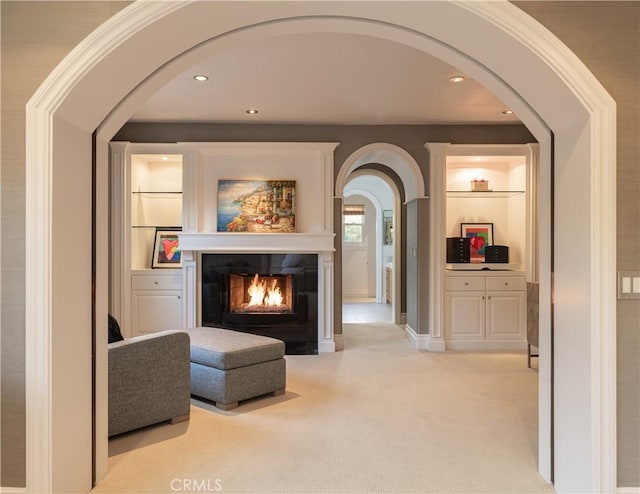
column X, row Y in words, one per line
column 355, row 293
column 420, row 341
column 628, row 490
column 13, row 490
column 487, row 345
column 326, row 346
column 423, row 341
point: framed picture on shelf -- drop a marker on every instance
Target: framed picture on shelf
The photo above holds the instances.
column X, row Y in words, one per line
column 166, row 249
column 480, row 235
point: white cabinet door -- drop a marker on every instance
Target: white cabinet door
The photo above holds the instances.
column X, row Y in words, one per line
column 465, row 315
column 505, row 316
column 155, row 311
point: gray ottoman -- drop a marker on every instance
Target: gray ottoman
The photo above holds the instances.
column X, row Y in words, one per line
column 230, row 366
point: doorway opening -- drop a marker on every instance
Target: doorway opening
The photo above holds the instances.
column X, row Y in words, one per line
column 373, row 264
column 368, row 259
column 590, row 317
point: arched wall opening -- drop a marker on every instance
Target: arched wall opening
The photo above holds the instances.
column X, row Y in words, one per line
column 397, row 160
column 397, row 289
column 517, row 59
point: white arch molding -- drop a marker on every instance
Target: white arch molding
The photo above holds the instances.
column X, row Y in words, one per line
column 494, row 42
column 396, row 158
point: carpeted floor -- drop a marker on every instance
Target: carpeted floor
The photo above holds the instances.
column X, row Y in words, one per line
column 378, row 417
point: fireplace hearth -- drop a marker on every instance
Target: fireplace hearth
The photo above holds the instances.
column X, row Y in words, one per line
column 266, row 294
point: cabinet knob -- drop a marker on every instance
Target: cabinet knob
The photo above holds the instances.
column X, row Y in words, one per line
column 466, row 283
column 506, row 283
column 178, row 297
column 155, row 282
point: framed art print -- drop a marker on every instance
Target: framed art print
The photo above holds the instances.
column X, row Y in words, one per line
column 166, row 250
column 256, row 206
column 480, row 235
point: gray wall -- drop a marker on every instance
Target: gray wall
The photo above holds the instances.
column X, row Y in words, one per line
column 606, row 37
column 37, row 35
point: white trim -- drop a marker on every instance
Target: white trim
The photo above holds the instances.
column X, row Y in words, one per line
column 39, row 137
column 257, row 242
column 423, row 341
column 602, row 172
column 502, row 21
column 13, row 490
column 396, row 158
column 487, row 345
column 38, row 318
column 438, row 153
column 419, row 341
column 628, row 490
column 348, row 293
column 326, row 331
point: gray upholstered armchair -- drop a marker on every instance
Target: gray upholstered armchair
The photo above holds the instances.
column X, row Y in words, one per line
column 149, row 380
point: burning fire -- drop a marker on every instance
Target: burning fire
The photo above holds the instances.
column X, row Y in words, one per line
column 261, row 294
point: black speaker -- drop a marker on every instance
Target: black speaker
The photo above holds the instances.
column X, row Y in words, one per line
column 496, row 253
column 458, row 250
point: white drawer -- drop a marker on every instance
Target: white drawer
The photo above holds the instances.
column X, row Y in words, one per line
column 465, row 283
column 506, row 283
column 156, row 282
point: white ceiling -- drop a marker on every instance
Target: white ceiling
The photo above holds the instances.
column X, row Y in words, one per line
column 324, row 79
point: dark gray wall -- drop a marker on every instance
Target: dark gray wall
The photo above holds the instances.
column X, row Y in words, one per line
column 351, row 138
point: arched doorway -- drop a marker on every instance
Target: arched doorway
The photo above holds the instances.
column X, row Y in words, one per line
column 372, row 279
column 393, row 160
column 63, row 114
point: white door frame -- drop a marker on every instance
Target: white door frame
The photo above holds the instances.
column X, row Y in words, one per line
column 494, row 42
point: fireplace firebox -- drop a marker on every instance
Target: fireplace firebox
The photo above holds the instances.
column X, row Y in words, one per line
column 266, row 294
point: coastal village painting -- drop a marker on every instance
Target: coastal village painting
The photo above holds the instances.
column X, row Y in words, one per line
column 256, row 206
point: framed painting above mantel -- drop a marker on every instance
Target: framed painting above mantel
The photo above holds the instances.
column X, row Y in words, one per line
column 256, row 206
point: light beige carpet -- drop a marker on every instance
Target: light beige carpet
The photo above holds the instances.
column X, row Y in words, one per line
column 378, row 417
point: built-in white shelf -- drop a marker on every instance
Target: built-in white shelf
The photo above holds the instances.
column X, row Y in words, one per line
column 484, row 266
column 488, row 194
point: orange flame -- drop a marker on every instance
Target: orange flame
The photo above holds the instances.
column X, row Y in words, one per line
column 262, row 295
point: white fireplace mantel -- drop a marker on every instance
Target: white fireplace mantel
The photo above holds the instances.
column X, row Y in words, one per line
column 258, row 242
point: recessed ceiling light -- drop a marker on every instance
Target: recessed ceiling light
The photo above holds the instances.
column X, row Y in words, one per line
column 252, row 111
column 456, row 78
column 508, row 112
column 200, row 78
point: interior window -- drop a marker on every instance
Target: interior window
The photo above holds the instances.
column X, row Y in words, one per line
column 353, row 223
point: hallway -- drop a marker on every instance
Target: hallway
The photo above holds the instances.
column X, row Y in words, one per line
column 361, row 310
